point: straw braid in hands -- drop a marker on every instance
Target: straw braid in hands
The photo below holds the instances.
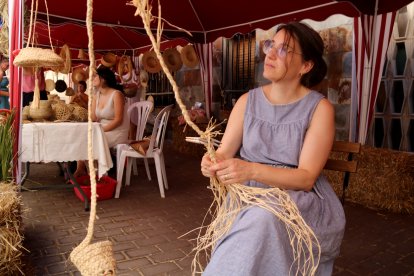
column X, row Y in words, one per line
column 229, row 171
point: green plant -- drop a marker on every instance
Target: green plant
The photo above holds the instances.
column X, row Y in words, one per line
column 6, row 143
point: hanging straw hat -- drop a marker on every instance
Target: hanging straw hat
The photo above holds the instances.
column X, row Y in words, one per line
column 60, row 86
column 79, row 74
column 82, row 54
column 172, row 59
column 189, row 56
column 49, row 85
column 109, row 60
column 125, row 62
column 37, row 57
column 67, row 60
column 151, row 62
column 70, row 91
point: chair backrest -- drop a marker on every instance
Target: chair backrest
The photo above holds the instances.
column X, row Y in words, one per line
column 348, row 166
column 138, row 113
column 158, row 132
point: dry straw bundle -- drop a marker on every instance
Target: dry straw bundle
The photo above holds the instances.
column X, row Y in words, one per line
column 97, row 258
column 4, row 30
column 229, row 200
column 11, row 240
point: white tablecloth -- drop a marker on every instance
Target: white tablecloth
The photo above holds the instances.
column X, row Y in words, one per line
column 62, row 142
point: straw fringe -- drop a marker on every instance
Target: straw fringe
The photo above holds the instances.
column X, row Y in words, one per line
column 302, row 238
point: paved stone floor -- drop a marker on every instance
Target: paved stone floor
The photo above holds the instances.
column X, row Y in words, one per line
column 146, row 230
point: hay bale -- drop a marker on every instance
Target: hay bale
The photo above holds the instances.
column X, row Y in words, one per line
column 9, row 204
column 384, row 180
column 11, row 240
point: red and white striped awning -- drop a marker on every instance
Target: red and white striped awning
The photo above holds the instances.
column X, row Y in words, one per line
column 371, row 39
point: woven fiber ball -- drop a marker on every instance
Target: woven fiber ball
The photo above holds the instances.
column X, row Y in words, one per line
column 80, row 114
column 62, row 112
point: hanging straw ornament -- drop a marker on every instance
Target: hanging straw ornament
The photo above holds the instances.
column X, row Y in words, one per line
column 230, row 200
column 96, row 258
column 37, row 57
column 67, row 60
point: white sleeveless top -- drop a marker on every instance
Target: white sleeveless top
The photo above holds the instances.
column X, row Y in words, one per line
column 118, row 135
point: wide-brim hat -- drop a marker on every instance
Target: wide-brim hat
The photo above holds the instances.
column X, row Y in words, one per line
column 151, row 62
column 172, row 59
column 189, row 56
column 79, row 74
column 49, row 85
column 109, row 59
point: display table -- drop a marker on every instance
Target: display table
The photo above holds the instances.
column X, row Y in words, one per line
column 64, row 142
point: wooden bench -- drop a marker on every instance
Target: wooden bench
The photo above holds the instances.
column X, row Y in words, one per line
column 347, row 166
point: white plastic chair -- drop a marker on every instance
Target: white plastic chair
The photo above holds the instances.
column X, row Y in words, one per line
column 155, row 151
column 138, row 114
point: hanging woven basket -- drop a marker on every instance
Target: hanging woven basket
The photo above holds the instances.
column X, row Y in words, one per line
column 37, row 57
column 94, row 259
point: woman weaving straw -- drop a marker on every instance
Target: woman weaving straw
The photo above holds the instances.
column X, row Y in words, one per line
column 284, row 131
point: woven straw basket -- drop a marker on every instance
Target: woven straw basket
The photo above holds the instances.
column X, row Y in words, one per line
column 44, row 111
column 94, row 259
column 37, row 57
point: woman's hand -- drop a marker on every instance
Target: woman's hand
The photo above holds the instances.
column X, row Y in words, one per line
column 206, row 164
column 229, row 171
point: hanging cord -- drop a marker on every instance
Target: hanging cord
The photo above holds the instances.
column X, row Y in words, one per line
column 32, row 25
column 92, row 215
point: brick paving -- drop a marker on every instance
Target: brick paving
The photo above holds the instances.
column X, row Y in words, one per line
column 146, row 229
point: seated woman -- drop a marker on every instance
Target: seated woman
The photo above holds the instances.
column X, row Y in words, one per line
column 80, row 97
column 108, row 108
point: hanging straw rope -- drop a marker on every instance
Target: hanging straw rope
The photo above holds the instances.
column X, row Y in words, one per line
column 97, row 258
column 31, row 56
column 230, row 200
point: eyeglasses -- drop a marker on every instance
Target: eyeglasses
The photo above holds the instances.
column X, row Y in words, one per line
column 282, row 50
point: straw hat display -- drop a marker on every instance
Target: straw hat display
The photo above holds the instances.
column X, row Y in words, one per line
column 79, row 74
column 151, row 62
column 109, row 60
column 172, row 59
column 189, row 56
column 49, row 85
column 125, row 68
